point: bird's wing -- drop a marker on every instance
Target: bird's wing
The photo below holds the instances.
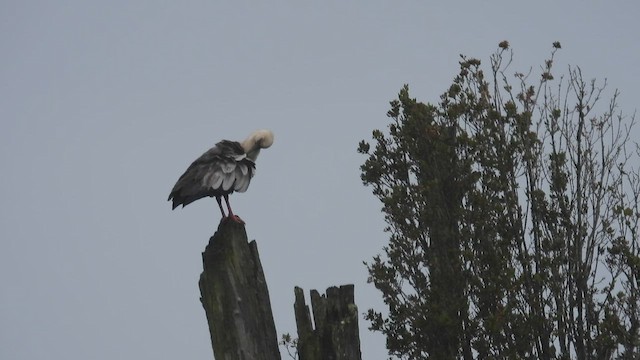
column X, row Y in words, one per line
column 221, row 170
column 243, row 173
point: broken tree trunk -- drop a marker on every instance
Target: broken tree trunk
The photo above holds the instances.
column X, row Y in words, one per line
column 235, row 297
column 335, row 336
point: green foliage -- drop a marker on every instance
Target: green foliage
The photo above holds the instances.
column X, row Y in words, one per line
column 290, row 345
column 512, row 216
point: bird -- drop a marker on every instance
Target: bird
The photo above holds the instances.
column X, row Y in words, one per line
column 226, row 167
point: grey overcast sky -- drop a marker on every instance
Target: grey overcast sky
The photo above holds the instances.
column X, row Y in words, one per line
column 103, row 104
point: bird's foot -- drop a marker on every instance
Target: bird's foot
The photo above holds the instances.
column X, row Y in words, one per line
column 236, row 218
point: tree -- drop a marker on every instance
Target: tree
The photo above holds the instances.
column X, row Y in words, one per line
column 512, row 211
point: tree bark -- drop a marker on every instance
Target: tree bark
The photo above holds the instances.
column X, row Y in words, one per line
column 235, row 297
column 335, row 336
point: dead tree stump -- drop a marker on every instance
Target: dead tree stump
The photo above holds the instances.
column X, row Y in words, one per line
column 235, row 297
column 335, row 336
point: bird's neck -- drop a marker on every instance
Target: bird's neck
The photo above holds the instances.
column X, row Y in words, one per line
column 253, row 154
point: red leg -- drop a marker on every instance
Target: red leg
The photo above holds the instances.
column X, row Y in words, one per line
column 233, row 217
column 219, row 200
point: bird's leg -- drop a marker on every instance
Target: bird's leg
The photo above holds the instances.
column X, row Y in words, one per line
column 233, row 217
column 219, row 200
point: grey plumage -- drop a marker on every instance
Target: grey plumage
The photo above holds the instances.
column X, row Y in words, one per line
column 220, row 171
column 225, row 168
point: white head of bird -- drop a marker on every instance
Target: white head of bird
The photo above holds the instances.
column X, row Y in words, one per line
column 260, row 139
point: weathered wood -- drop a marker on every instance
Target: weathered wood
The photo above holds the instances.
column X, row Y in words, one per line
column 235, row 297
column 335, row 336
